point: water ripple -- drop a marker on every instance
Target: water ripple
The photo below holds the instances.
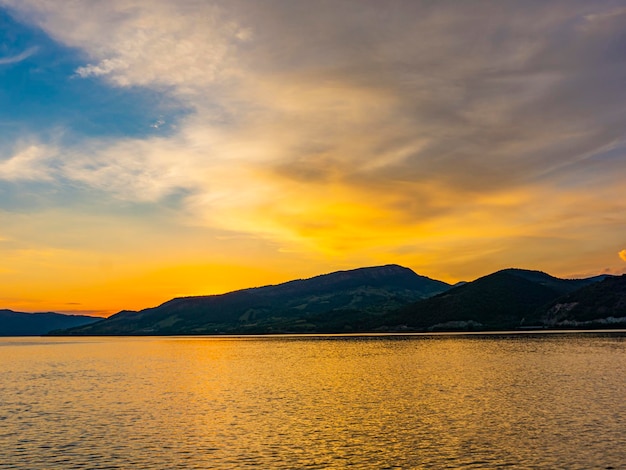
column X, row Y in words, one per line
column 429, row 402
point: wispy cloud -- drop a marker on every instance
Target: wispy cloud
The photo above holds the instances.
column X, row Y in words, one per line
column 31, row 162
column 186, row 45
column 7, row 60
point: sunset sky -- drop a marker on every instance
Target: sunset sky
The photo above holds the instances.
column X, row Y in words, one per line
column 152, row 149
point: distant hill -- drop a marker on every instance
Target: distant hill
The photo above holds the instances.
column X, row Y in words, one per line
column 502, row 300
column 596, row 305
column 307, row 305
column 33, row 324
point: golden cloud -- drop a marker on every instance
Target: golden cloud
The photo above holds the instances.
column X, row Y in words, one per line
column 622, row 254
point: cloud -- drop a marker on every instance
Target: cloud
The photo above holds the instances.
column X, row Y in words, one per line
column 33, row 162
column 357, row 126
column 19, row 57
column 622, row 254
column 159, row 43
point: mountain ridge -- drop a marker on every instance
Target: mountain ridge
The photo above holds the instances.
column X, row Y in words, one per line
column 505, row 299
column 14, row 323
column 369, row 289
column 371, row 299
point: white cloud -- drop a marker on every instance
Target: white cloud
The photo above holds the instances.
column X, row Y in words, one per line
column 160, row 43
column 33, row 162
column 19, row 57
column 105, row 67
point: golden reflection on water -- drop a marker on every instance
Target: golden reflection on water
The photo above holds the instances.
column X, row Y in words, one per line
column 332, row 402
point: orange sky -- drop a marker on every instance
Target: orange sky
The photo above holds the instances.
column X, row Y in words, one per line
column 199, row 147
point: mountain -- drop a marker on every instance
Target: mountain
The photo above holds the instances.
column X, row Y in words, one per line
column 503, row 300
column 384, row 298
column 330, row 302
column 31, row 324
column 596, row 305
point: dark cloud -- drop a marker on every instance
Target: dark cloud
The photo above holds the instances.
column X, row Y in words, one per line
column 504, row 92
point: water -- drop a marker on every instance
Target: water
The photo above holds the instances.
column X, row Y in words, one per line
column 518, row 401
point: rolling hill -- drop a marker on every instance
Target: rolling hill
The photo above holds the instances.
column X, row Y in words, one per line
column 384, row 298
column 33, row 324
column 297, row 306
column 600, row 304
column 506, row 299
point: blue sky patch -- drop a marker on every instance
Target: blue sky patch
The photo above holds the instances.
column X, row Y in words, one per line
column 40, row 91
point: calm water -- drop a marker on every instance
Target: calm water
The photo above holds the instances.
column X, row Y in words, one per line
column 518, row 401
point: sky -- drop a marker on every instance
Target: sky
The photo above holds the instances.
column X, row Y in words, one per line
column 151, row 149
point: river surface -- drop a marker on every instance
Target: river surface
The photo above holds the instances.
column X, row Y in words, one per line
column 545, row 401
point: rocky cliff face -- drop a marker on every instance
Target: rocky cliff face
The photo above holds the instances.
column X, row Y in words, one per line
column 600, row 303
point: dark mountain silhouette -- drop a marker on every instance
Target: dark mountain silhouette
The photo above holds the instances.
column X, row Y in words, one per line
column 385, row 298
column 357, row 294
column 32, row 324
column 600, row 304
column 502, row 300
